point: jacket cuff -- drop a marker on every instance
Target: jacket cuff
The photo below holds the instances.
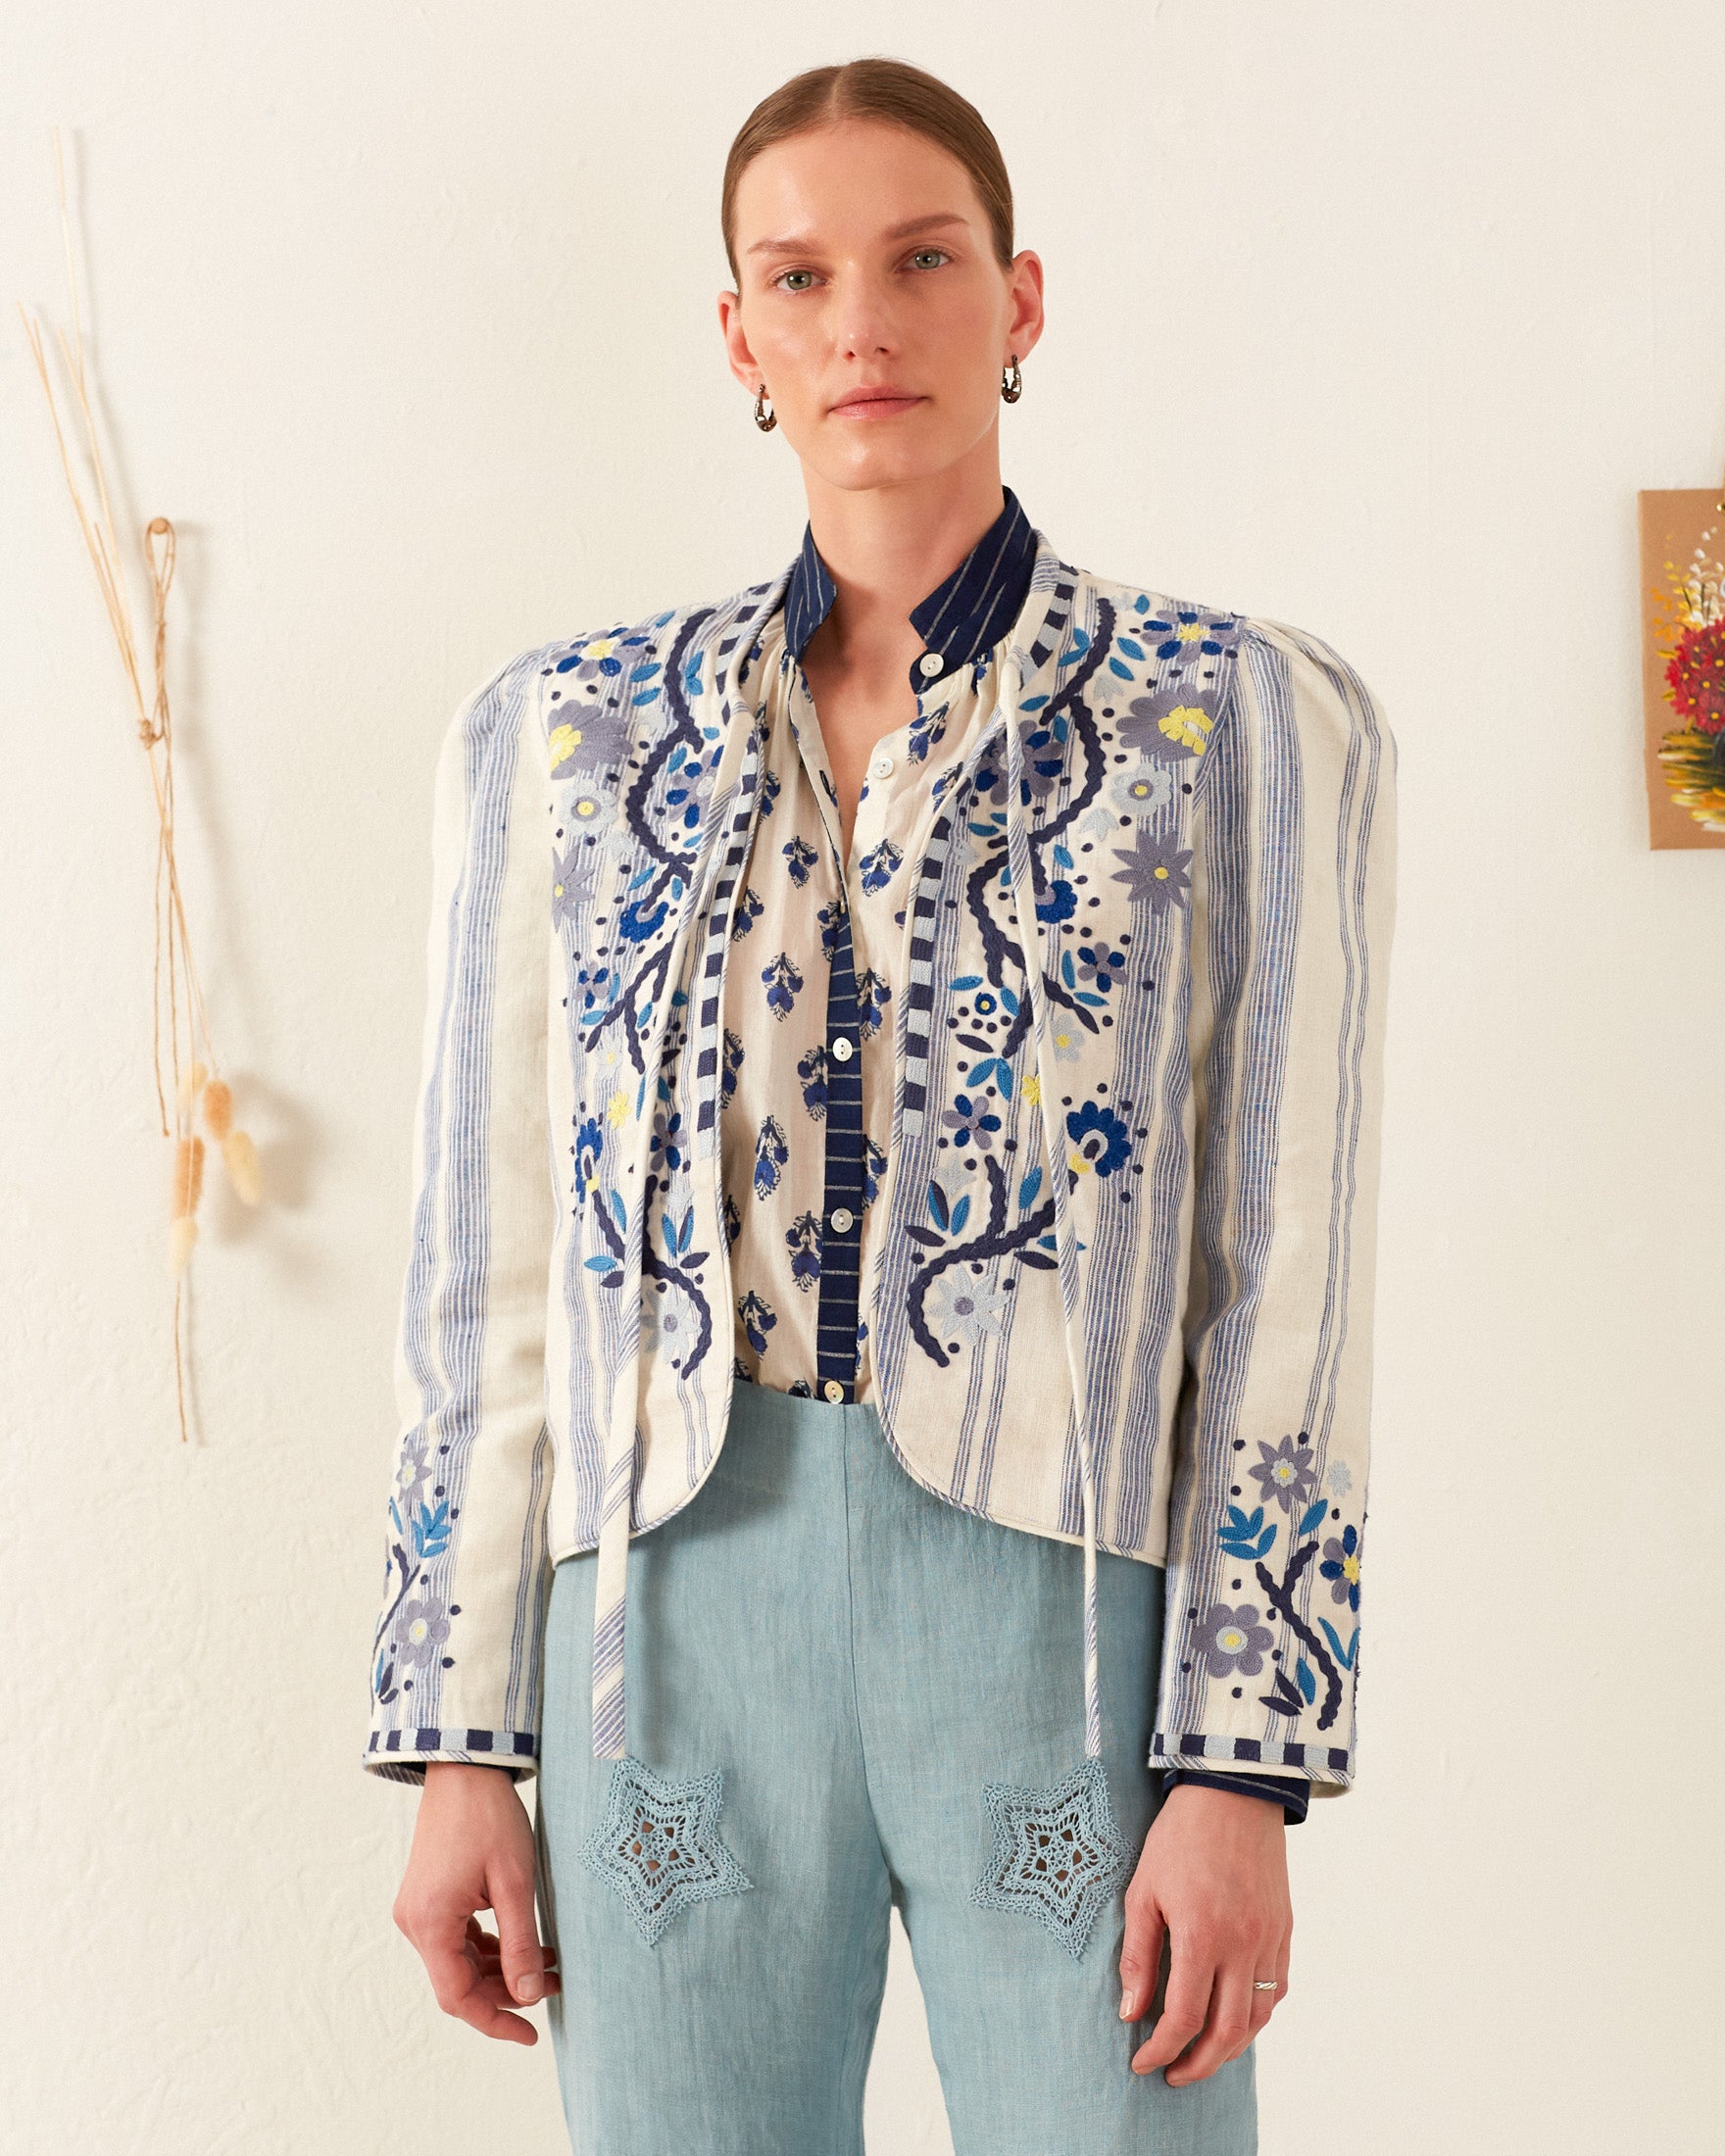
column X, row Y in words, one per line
column 403, row 1755
column 1289, row 1791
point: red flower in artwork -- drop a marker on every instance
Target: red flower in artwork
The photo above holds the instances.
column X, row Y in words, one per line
column 1696, row 677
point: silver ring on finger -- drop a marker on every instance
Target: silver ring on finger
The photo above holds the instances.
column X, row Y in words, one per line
column 1265, row 1984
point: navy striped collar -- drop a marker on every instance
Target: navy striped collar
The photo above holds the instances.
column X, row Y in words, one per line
column 964, row 615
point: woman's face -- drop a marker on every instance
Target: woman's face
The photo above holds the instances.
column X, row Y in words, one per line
column 864, row 260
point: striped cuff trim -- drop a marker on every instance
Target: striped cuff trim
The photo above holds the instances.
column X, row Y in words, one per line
column 1184, row 1750
column 403, row 1755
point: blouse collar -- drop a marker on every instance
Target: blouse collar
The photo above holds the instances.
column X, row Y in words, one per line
column 964, row 615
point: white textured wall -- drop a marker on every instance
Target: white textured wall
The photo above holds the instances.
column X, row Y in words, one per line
column 406, row 314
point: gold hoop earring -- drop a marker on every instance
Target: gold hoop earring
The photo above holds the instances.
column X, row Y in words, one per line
column 768, row 423
column 1013, row 385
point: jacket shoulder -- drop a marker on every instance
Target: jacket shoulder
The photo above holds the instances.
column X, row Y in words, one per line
column 626, row 646
column 1172, row 627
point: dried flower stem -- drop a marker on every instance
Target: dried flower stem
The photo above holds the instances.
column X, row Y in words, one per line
column 155, row 730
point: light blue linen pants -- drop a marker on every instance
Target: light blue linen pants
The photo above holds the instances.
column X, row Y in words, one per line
column 859, row 1657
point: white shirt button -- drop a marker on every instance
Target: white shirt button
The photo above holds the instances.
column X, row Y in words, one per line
column 841, row 1218
column 881, row 765
column 929, row 664
column 841, row 1048
column 833, row 1389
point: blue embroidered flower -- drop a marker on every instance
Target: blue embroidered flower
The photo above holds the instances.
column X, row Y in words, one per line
column 783, row 984
column 971, row 1122
column 668, row 1142
column 1104, row 1141
column 1102, row 965
column 1232, row 1639
column 1341, row 1566
column 1284, row 1474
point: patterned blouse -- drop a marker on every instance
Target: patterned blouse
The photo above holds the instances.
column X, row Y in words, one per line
column 818, row 974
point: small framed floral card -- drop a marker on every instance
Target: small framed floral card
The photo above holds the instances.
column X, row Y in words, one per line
column 1683, row 663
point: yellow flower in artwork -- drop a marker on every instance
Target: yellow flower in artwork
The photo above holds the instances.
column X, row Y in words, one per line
column 565, row 741
column 1033, row 1089
column 1189, row 725
column 601, row 646
column 616, row 1108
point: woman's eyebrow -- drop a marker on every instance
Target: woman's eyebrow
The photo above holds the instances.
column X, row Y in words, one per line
column 791, row 240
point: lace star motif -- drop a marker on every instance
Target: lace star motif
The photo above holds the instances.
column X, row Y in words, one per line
column 1056, row 1855
column 657, row 1844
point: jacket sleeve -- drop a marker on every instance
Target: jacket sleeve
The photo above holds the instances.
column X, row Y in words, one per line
column 1293, row 903
column 455, row 1664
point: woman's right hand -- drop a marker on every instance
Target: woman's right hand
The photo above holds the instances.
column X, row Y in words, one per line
column 473, row 1849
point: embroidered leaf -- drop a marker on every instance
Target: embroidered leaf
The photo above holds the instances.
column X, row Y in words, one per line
column 1132, row 650
column 1115, row 667
column 1085, row 997
column 937, row 1207
column 1011, row 1000
column 1063, row 857
column 1033, row 704
column 1314, row 1514
column 1344, row 1654
column 1307, row 1681
column 970, row 980
column 961, row 1214
column 1067, row 973
column 431, row 1530
column 619, row 1210
column 602, row 1263
column 1028, row 1189
column 1281, row 1697
column 686, row 1233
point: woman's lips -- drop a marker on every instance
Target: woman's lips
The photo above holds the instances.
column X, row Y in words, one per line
column 875, row 408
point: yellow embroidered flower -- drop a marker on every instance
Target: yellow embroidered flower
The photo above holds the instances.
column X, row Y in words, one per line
column 1033, row 1089
column 1189, row 725
column 601, row 646
column 616, row 1108
column 565, row 741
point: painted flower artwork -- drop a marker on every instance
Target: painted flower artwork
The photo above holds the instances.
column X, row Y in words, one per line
column 1683, row 565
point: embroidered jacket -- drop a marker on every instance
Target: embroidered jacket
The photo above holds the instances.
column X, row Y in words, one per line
column 1189, row 1021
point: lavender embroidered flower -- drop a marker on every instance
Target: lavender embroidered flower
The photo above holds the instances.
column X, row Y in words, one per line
column 420, row 1630
column 1283, row 1474
column 1232, row 1639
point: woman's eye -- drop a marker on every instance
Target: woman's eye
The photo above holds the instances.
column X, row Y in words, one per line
column 940, row 254
column 784, row 274
column 941, row 251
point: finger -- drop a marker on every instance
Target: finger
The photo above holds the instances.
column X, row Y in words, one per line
column 484, row 1944
column 1191, row 1976
column 1263, row 2005
column 460, row 1986
column 1141, row 1956
column 520, row 1953
column 1226, row 2032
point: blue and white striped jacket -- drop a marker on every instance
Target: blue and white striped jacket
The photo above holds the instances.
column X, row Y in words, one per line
column 1206, row 799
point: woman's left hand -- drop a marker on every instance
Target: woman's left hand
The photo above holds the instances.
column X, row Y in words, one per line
column 1213, row 1879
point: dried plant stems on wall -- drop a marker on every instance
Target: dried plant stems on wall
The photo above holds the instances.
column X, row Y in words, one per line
column 198, row 1090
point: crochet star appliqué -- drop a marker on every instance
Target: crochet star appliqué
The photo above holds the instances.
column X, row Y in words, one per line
column 657, row 1844
column 1056, row 1855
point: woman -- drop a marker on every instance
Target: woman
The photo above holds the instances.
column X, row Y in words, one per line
column 995, row 1527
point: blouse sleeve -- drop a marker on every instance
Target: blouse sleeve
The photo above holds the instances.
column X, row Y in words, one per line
column 1293, row 881
column 456, row 1656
